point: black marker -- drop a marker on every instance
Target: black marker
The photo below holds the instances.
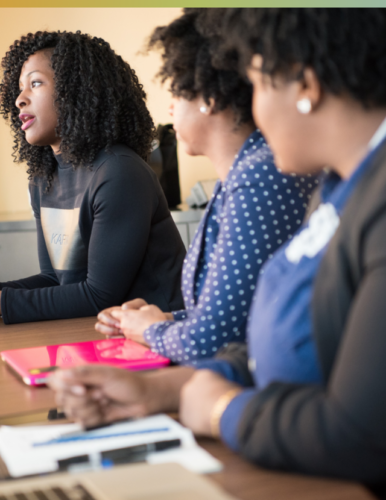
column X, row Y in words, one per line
column 126, row 455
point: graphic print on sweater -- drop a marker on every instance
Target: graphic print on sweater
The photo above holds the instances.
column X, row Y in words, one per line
column 62, row 236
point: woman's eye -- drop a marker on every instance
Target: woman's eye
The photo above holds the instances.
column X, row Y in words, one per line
column 35, row 83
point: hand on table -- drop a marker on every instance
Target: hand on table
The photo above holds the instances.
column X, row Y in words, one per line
column 108, row 325
column 93, row 395
column 98, row 394
column 130, row 320
column 198, row 398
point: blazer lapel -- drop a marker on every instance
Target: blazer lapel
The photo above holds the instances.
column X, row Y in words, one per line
column 191, row 263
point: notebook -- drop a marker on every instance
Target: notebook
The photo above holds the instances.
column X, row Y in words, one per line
column 34, row 364
column 39, row 449
column 124, row 482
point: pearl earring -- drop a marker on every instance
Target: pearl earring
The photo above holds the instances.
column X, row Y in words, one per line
column 204, row 109
column 304, row 106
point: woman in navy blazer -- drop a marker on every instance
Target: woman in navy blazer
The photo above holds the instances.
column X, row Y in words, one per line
column 253, row 210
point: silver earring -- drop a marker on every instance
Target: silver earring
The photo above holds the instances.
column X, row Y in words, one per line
column 304, row 106
column 204, row 109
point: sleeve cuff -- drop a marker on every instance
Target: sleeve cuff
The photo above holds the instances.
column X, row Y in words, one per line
column 180, row 315
column 222, row 367
column 230, row 419
column 3, row 308
column 154, row 335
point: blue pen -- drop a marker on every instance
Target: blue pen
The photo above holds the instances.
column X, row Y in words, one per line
column 87, row 437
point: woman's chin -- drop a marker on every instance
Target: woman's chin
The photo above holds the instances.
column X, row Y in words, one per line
column 189, row 150
column 293, row 168
column 33, row 140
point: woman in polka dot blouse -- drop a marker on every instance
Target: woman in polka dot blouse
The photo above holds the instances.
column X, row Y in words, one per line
column 253, row 210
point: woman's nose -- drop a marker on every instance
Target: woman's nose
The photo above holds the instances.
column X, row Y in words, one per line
column 21, row 100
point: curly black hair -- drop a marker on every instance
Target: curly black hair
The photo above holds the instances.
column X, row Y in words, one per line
column 195, row 65
column 99, row 101
column 345, row 47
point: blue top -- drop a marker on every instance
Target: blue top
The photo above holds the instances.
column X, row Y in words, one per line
column 250, row 215
column 280, row 343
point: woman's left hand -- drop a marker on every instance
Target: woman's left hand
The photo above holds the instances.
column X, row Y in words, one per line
column 198, row 398
column 110, row 326
column 133, row 323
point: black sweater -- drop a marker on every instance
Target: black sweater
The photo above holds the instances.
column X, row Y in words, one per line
column 339, row 428
column 105, row 235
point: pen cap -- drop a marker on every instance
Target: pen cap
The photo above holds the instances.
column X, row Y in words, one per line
column 166, row 445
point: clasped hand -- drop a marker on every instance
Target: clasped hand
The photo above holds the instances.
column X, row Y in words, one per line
column 93, row 395
column 131, row 320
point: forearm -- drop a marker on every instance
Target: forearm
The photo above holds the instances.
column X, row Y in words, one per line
column 165, row 388
column 178, row 315
column 37, row 281
column 236, row 355
column 54, row 302
column 303, row 429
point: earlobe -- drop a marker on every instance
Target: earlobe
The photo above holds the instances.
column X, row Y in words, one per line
column 208, row 108
column 304, row 106
column 310, row 93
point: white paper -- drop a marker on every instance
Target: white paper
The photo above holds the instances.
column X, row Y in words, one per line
column 23, row 456
column 193, row 458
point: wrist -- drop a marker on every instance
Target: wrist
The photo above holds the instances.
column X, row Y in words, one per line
column 162, row 388
column 152, row 400
column 219, row 408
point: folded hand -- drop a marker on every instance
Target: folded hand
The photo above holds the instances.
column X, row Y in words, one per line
column 94, row 395
column 130, row 320
column 98, row 394
column 108, row 325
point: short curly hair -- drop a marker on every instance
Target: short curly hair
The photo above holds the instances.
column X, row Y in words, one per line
column 98, row 98
column 195, row 64
column 345, row 47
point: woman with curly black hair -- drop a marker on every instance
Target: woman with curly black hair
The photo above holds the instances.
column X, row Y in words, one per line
column 254, row 208
column 105, row 234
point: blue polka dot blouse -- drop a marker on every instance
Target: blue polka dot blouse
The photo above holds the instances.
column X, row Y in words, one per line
column 250, row 215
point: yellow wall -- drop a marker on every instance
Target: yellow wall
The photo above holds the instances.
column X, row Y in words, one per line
column 126, row 30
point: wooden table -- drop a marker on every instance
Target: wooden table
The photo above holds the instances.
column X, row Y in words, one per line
column 238, row 477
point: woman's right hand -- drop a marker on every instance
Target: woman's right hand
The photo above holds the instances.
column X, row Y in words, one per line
column 94, row 395
column 98, row 394
column 108, row 325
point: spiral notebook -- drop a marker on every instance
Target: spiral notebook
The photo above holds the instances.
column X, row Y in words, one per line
column 34, row 364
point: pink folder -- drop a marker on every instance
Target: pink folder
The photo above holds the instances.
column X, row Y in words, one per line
column 34, row 364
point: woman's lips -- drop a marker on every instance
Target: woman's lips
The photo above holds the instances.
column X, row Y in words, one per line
column 28, row 123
